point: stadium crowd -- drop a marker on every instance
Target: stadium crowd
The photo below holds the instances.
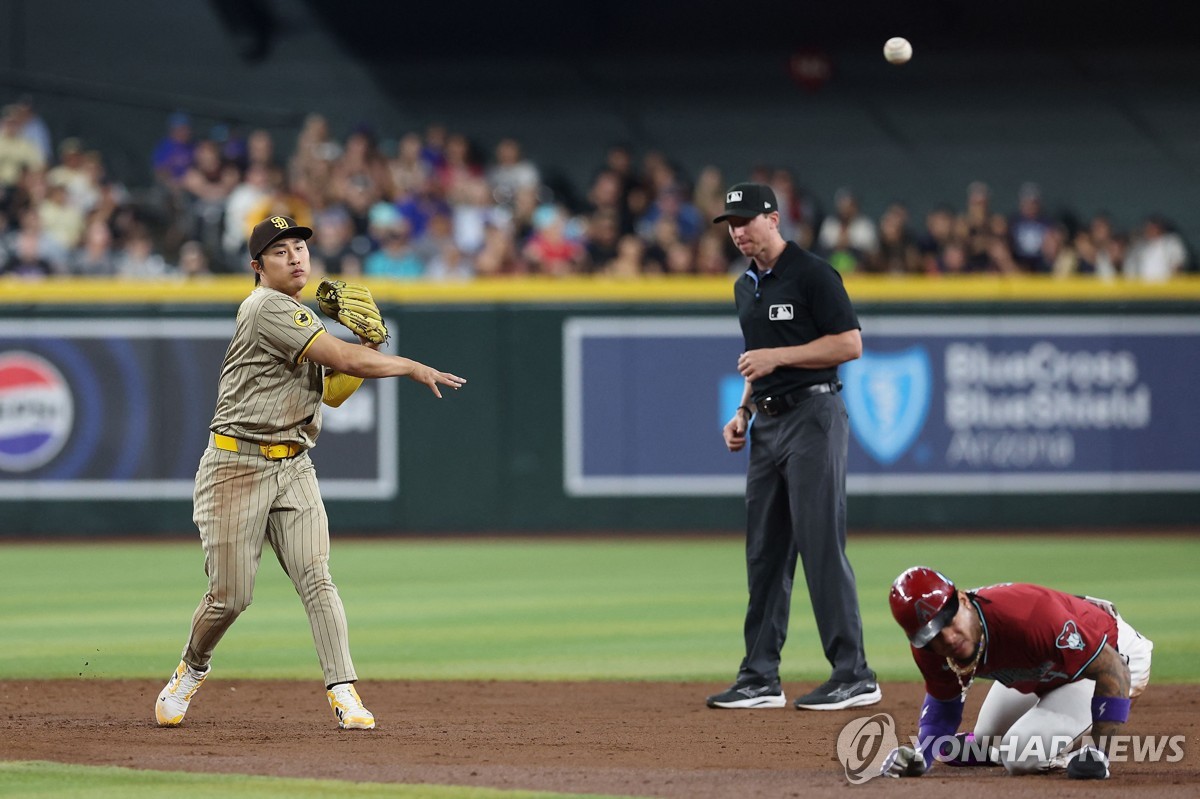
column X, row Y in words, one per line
column 432, row 205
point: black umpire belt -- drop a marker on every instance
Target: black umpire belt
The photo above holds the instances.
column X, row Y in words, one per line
column 777, row 405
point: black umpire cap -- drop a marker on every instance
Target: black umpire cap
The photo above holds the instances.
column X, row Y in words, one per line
column 271, row 230
column 748, row 200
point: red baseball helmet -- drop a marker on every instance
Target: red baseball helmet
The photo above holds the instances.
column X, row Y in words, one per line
column 923, row 602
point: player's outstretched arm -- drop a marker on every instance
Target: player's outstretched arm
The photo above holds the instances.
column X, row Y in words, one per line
column 359, row 361
column 1110, row 703
column 1110, row 709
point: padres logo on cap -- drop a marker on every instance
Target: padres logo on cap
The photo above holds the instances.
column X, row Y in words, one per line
column 279, row 222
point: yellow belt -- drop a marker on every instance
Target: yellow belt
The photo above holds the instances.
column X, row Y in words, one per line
column 272, row 452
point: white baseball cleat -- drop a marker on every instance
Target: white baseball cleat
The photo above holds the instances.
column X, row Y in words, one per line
column 348, row 708
column 172, row 704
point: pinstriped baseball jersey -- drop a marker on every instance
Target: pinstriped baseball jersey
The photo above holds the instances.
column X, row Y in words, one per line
column 268, row 394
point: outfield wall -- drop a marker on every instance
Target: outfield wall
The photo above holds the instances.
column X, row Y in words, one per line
column 597, row 406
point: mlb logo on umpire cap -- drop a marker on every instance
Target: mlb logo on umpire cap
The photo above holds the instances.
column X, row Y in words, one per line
column 273, row 229
column 748, row 200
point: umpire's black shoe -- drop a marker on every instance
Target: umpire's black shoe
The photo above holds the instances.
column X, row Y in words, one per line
column 743, row 695
column 1089, row 764
column 834, row 695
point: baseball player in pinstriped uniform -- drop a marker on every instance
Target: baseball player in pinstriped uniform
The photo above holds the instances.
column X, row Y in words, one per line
column 256, row 483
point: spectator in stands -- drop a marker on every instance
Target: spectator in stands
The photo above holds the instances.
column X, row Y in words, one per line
column 72, row 172
column 438, row 233
column 472, row 216
column 449, row 265
column 1027, row 228
column 797, row 210
column 630, row 261
column 606, row 195
column 26, row 259
column 193, row 261
column 1058, row 254
column 711, row 258
column 847, row 237
column 260, row 150
column 421, row 207
column 137, row 258
column 361, row 176
column 680, row 260
column 310, row 168
column 511, row 171
column 333, row 249
column 708, row 195
column 281, row 201
column 499, row 256
column 395, row 257
column 938, row 232
column 550, row 251
column 34, row 128
column 206, row 185
column 30, row 229
column 664, row 235
column 974, row 225
column 433, row 146
column 174, row 153
column 410, row 172
column 96, row 257
column 1158, row 254
column 600, row 244
column 952, row 260
column 253, row 190
column 898, row 253
column 61, row 220
column 458, row 168
column 18, row 154
column 670, row 203
column 1107, row 260
column 1085, row 250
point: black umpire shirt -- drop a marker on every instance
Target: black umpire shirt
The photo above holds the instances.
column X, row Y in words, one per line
column 798, row 301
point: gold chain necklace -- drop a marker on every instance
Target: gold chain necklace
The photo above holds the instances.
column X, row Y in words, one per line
column 969, row 671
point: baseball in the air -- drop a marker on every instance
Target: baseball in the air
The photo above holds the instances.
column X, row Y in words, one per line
column 897, row 50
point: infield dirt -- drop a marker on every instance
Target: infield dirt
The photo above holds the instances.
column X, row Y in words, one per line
column 636, row 739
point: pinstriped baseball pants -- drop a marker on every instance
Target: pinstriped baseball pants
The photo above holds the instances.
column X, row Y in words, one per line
column 241, row 501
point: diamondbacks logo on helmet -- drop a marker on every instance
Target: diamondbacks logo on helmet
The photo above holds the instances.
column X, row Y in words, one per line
column 926, row 609
column 1070, row 637
column 36, row 411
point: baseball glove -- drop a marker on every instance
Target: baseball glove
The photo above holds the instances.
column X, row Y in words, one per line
column 352, row 305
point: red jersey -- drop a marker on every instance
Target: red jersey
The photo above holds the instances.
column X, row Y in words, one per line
column 1037, row 639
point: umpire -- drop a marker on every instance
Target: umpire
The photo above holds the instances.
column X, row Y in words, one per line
column 798, row 325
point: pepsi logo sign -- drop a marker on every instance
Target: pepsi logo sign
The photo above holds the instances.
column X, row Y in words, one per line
column 36, row 411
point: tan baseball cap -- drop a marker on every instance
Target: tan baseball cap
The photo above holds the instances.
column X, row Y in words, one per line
column 273, row 229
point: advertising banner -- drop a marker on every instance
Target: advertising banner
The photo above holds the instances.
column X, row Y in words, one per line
column 937, row 405
column 118, row 408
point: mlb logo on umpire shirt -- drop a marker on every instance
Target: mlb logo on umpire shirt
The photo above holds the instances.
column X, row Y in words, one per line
column 780, row 313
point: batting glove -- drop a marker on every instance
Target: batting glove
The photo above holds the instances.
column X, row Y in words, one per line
column 903, row 761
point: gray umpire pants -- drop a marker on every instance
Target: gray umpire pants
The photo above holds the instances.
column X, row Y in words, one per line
column 796, row 507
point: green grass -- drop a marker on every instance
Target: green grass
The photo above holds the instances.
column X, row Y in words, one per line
column 56, row 781
column 511, row 609
column 541, row 609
